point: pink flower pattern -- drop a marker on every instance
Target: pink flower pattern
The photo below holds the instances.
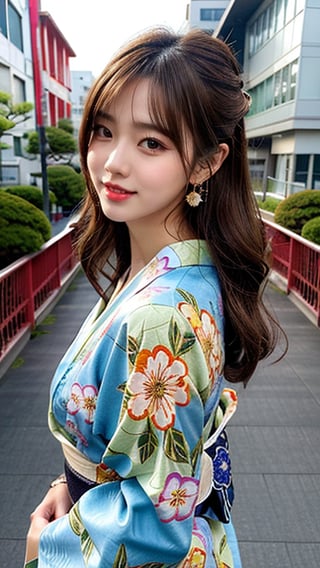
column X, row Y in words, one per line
column 83, row 399
column 157, row 267
column 178, row 498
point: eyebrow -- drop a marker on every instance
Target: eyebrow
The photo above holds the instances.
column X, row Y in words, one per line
column 142, row 125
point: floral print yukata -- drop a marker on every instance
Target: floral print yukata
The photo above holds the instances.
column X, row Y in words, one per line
column 136, row 394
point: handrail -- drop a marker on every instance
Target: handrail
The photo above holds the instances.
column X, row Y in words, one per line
column 31, row 286
column 297, row 261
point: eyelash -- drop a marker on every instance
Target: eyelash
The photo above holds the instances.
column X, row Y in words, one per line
column 154, row 141
column 106, row 133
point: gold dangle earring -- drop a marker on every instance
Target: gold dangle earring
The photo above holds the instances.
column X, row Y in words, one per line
column 198, row 194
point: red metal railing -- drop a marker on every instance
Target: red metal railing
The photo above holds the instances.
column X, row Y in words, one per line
column 297, row 261
column 30, row 285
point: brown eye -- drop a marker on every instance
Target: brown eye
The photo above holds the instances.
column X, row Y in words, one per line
column 152, row 144
column 102, row 131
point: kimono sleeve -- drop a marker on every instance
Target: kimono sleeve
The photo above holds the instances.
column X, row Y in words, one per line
column 146, row 515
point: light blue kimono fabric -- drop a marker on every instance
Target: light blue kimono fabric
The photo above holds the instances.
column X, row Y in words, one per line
column 135, row 394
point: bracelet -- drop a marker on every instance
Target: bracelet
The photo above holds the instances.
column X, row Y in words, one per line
column 58, row 480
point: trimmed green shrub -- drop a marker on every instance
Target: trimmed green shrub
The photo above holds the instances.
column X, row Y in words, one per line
column 269, row 204
column 66, row 124
column 67, row 185
column 60, row 142
column 23, row 228
column 30, row 193
column 311, row 230
column 294, row 211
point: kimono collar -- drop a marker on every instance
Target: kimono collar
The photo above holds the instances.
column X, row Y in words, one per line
column 179, row 254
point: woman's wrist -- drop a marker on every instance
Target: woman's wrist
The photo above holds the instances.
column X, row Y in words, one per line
column 61, row 479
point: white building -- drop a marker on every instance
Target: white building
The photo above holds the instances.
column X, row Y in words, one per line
column 16, row 79
column 205, row 14
column 278, row 45
column 81, row 82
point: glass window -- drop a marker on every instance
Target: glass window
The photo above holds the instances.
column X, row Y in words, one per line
column 17, row 146
column 206, row 15
column 218, row 13
column 5, row 79
column 269, row 92
column 265, row 17
column 289, row 10
column 293, row 79
column 259, row 32
column 279, row 14
column 277, row 88
column 271, row 20
column 302, row 164
column 15, row 27
column 19, row 90
column 253, row 107
column 3, row 18
column 284, row 84
column 316, row 172
column 252, row 38
column 211, row 14
column 260, row 97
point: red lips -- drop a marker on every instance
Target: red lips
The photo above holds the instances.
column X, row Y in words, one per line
column 117, row 193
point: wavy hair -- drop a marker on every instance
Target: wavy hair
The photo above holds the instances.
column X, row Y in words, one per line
column 195, row 86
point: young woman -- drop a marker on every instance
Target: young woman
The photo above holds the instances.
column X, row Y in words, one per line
column 139, row 402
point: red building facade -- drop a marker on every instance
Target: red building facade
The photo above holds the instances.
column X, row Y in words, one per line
column 56, row 82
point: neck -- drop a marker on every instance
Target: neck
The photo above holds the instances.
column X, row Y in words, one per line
column 146, row 242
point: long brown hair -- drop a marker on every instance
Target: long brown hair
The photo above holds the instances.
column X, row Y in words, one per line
column 195, row 86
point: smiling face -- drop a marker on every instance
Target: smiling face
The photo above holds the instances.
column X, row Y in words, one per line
column 136, row 170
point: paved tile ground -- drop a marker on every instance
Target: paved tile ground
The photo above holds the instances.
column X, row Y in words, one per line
column 274, row 437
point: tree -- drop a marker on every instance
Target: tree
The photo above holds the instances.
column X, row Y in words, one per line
column 11, row 115
column 61, row 145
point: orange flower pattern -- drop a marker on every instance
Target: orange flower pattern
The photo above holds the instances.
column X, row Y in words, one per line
column 207, row 332
column 157, row 385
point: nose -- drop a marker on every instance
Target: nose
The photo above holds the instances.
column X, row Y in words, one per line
column 117, row 161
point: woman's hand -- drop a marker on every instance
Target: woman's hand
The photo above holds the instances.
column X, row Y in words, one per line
column 55, row 504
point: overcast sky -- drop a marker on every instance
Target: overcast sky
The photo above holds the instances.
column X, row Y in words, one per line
column 97, row 28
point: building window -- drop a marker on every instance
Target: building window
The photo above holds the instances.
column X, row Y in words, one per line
column 17, row 146
column 269, row 92
column 289, row 10
column 5, row 79
column 293, row 79
column 3, row 18
column 284, row 84
column 316, row 172
column 279, row 4
column 211, row 14
column 302, row 165
column 19, row 90
column 271, row 20
column 261, row 97
column 252, row 38
column 15, row 27
column 275, row 90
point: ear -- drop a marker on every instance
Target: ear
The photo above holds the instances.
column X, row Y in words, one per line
column 203, row 172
